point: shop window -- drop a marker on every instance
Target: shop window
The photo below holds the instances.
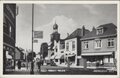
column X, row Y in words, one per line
column 61, row 61
column 56, row 60
column 62, row 51
column 108, row 59
column 110, row 42
column 62, row 46
column 85, row 45
column 98, row 44
column 73, row 45
column 67, row 46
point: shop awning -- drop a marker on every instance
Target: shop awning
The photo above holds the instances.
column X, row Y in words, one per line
column 53, row 57
column 96, row 54
column 8, row 56
column 60, row 56
column 70, row 55
column 79, row 57
column 46, row 58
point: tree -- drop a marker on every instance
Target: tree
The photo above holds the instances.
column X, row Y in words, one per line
column 31, row 56
column 44, row 50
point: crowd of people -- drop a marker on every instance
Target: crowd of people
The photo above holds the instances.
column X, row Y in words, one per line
column 38, row 63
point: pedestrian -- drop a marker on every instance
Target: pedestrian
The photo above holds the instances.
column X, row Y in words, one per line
column 97, row 63
column 19, row 64
column 32, row 65
column 42, row 62
column 38, row 64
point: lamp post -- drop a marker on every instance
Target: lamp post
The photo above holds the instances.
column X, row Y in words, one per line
column 32, row 63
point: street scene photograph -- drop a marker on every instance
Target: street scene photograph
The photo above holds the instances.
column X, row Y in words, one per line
column 60, row 39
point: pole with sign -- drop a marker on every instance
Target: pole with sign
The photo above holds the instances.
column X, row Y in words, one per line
column 32, row 63
column 37, row 35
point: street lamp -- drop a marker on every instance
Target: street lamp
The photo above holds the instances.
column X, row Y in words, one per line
column 32, row 63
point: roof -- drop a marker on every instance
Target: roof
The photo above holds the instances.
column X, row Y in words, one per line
column 77, row 33
column 109, row 29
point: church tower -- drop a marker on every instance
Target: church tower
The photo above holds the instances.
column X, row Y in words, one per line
column 55, row 35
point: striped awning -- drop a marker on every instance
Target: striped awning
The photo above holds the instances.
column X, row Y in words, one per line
column 96, row 53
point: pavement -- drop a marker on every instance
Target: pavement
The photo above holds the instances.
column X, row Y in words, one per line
column 61, row 70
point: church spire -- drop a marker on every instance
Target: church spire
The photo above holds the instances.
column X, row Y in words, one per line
column 55, row 26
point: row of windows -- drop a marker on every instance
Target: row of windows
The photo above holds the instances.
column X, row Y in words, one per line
column 9, row 30
column 98, row 43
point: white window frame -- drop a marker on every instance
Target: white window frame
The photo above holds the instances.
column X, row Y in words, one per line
column 73, row 44
column 86, row 45
column 111, row 41
column 99, row 31
column 98, row 43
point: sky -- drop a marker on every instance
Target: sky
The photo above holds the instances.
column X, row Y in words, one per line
column 69, row 17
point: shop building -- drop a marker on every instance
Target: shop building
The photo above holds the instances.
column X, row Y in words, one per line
column 56, row 48
column 9, row 38
column 99, row 47
column 72, row 46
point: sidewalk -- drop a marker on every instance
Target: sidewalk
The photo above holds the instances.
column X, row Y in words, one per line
column 93, row 67
column 22, row 71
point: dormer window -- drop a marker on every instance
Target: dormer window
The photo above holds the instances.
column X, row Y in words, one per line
column 99, row 30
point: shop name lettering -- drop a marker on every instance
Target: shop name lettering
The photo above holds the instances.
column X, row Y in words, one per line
column 51, row 70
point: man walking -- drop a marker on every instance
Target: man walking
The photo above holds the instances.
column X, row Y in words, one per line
column 19, row 64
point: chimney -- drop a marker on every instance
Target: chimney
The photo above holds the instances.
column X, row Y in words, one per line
column 67, row 34
column 83, row 31
column 93, row 28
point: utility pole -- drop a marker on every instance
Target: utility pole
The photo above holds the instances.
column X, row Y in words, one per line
column 32, row 63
